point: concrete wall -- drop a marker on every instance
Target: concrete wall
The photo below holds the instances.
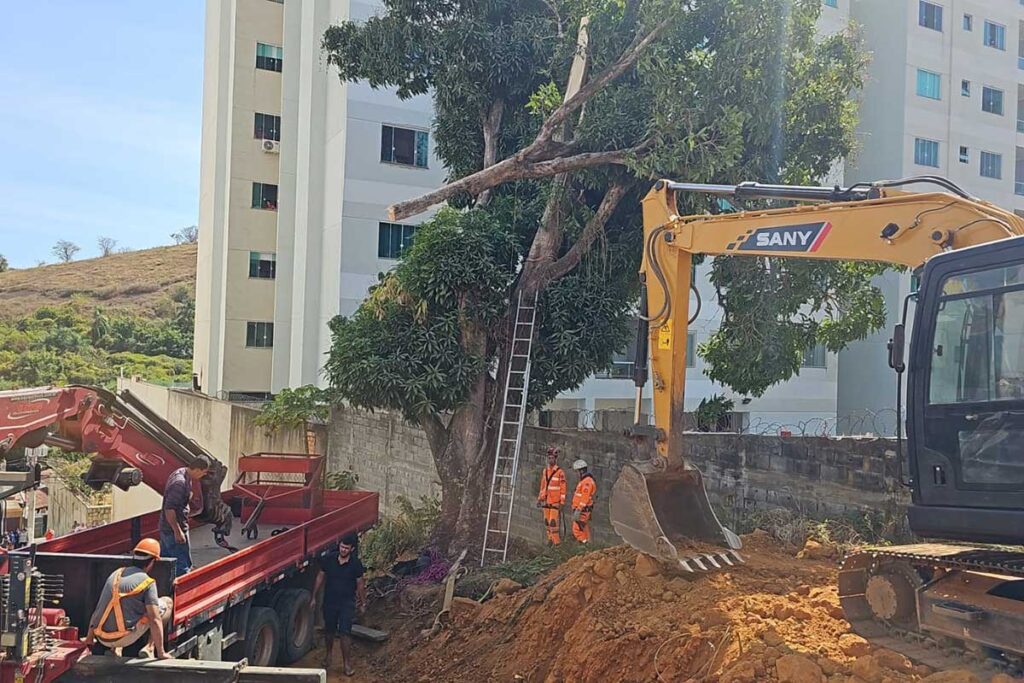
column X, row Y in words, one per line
column 226, row 430
column 817, row 476
column 67, row 507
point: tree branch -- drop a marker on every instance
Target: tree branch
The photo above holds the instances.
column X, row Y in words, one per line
column 626, row 61
column 505, row 170
column 491, row 126
column 533, row 161
column 437, row 433
column 593, row 229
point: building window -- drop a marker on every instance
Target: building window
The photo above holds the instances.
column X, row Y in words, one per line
column 814, row 357
column 259, row 335
column 968, row 22
column 965, row 88
column 267, row 127
column 995, row 35
column 403, row 146
column 928, row 84
column 929, row 15
column 393, row 239
column 268, row 57
column 926, row 152
column 262, row 265
column 831, row 3
column 992, row 165
column 992, row 100
column 964, row 154
column 691, row 350
column 264, row 196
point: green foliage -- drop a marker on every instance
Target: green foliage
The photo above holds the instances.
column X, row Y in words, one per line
column 59, row 345
column 733, row 90
column 292, row 408
column 3, row 263
column 712, row 412
column 346, row 480
column 408, row 531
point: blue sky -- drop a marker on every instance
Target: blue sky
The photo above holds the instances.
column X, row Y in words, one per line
column 101, row 123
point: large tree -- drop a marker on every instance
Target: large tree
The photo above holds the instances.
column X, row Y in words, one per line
column 544, row 196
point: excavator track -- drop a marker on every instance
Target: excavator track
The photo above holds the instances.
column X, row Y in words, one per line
column 886, row 595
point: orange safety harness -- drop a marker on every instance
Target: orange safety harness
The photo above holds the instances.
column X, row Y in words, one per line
column 115, row 606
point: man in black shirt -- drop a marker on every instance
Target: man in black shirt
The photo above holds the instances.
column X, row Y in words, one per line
column 341, row 574
column 175, row 512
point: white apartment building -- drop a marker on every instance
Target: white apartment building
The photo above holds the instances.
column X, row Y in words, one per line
column 944, row 97
column 292, row 236
column 297, row 172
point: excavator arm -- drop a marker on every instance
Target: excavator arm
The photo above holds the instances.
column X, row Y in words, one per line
column 659, row 504
column 129, row 443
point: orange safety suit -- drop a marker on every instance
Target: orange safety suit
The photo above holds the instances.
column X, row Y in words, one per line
column 583, row 507
column 552, row 498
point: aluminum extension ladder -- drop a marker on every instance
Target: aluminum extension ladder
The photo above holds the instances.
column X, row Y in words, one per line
column 510, row 433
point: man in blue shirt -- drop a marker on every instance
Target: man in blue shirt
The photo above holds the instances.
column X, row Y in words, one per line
column 175, row 512
column 341, row 575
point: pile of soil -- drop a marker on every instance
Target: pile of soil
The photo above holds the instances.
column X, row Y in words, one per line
column 616, row 615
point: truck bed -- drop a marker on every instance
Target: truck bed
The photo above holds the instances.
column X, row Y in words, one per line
column 220, row 579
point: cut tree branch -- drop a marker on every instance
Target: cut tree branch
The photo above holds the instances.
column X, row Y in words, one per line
column 491, row 126
column 512, row 168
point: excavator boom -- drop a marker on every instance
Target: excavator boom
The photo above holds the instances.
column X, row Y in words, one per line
column 660, row 505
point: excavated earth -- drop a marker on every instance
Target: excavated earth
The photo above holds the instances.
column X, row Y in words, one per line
column 615, row 615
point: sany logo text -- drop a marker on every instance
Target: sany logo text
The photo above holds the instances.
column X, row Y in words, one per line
column 805, row 237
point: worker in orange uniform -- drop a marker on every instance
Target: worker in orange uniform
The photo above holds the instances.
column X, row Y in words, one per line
column 583, row 502
column 552, row 495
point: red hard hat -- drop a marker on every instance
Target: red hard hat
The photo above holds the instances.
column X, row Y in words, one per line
column 149, row 547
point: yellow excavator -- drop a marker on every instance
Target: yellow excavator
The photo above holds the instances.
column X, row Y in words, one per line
column 964, row 396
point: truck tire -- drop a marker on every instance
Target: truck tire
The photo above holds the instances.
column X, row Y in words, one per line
column 297, row 624
column 262, row 637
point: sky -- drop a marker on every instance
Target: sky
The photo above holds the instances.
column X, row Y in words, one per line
column 101, row 106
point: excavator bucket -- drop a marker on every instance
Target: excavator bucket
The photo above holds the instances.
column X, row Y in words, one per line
column 666, row 514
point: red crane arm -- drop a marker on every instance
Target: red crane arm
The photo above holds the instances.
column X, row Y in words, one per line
column 130, row 444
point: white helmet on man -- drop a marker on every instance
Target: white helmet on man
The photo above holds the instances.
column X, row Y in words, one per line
column 579, row 465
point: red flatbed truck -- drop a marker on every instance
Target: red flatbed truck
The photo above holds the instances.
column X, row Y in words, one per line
column 252, row 601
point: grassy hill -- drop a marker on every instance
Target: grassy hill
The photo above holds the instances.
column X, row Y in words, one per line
column 135, row 281
column 86, row 322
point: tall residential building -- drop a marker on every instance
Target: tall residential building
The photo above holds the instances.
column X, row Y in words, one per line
column 297, row 171
column 291, row 236
column 944, row 97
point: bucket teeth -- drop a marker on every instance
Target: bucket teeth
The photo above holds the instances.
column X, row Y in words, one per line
column 711, row 561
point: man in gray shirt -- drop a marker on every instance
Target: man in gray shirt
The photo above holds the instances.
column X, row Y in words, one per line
column 129, row 605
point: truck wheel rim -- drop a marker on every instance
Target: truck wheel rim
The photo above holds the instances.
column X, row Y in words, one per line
column 263, row 647
column 302, row 622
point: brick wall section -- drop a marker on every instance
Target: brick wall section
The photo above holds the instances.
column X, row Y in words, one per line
column 817, row 476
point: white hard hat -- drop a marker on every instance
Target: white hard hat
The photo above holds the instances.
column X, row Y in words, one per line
column 580, row 465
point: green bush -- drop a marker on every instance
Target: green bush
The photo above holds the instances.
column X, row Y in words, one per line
column 408, row 531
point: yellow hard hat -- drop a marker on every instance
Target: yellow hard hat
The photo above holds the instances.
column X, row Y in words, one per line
column 149, row 547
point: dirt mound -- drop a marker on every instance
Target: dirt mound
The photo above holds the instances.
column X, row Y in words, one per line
column 606, row 616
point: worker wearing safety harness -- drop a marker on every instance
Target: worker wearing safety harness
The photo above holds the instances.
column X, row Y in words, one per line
column 129, row 605
column 583, row 502
column 552, row 495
